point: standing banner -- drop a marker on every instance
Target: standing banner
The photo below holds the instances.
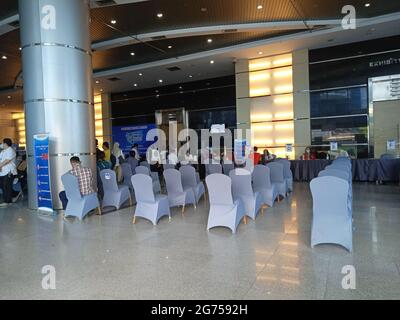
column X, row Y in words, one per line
column 334, row 146
column 240, row 151
column 42, row 167
column 391, row 145
column 127, row 136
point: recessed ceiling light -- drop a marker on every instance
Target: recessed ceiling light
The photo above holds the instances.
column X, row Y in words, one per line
column 4, row 57
column 367, row 5
column 180, row 87
column 8, row 97
column 203, row 9
column 160, row 15
column 140, row 74
column 101, row 90
column 259, row 7
column 157, row 96
column 135, row 85
column 190, row 76
column 20, row 48
column 169, row 47
column 160, row 81
column 209, row 40
column 212, row 61
column 260, row 52
column 113, row 21
column 132, row 53
column 97, row 81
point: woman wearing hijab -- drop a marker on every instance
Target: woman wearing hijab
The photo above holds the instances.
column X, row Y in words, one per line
column 119, row 158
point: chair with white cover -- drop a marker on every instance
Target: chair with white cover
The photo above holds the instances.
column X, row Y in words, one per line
column 149, row 206
column 227, row 167
column 277, row 177
column 145, row 164
column 177, row 195
column 242, row 189
column 114, row 195
column 189, row 180
column 146, row 171
column 213, row 168
column 262, row 184
column 287, row 173
column 127, row 174
column 78, row 206
column 224, row 211
column 167, row 166
column 332, row 222
column 133, row 163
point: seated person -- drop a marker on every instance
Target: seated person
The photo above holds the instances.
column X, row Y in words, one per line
column 267, row 157
column 85, row 180
column 102, row 163
column 255, row 156
column 309, row 154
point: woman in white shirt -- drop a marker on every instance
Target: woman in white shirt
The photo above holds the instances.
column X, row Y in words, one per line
column 8, row 171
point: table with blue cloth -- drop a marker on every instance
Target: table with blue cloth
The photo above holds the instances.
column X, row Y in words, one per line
column 367, row 170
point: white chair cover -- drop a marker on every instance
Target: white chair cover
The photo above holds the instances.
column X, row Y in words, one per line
column 242, row 189
column 78, row 206
column 227, row 167
column 213, row 168
column 277, row 177
column 287, row 173
column 114, row 195
column 189, row 180
column 332, row 222
column 145, row 170
column 224, row 212
column 177, row 195
column 262, row 184
column 149, row 206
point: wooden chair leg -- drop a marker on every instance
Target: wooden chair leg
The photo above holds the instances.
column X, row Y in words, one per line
column 99, row 211
column 245, row 219
column 183, row 209
column 134, row 220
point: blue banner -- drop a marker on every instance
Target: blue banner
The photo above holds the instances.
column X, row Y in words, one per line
column 42, row 167
column 127, row 136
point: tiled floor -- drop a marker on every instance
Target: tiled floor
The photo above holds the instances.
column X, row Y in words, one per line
column 109, row 258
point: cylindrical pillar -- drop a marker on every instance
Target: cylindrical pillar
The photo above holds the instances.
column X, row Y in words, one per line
column 58, row 96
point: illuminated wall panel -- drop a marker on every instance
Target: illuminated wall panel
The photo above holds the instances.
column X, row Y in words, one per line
column 98, row 115
column 19, row 118
column 271, row 111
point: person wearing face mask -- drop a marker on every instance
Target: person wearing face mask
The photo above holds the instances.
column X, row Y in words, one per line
column 8, row 171
column 309, row 154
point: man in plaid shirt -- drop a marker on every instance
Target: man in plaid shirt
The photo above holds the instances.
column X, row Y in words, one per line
column 84, row 175
column 85, row 180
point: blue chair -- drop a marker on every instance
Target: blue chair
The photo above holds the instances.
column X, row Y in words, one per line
column 332, row 221
column 156, row 182
column 114, row 195
column 287, row 173
column 224, row 211
column 78, row 206
column 149, row 206
column 127, row 174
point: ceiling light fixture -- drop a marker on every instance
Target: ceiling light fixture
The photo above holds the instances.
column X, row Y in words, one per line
column 169, row 47
column 209, row 40
column 132, row 54
column 97, row 81
column 135, row 85
column 203, row 9
column 8, row 97
column 367, row 5
column 113, row 21
column 260, row 52
column 140, row 74
column 4, row 57
column 160, row 15
column 160, row 81
column 190, row 76
column 259, row 7
column 212, row 61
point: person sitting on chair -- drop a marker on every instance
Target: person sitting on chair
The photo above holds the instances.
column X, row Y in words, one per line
column 85, row 180
column 102, row 163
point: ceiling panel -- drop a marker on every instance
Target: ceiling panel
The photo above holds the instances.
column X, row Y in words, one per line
column 11, row 67
column 8, row 8
column 121, row 56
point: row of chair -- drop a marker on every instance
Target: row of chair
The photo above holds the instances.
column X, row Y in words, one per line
column 242, row 193
column 332, row 205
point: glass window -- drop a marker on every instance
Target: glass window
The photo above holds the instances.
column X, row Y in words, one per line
column 339, row 102
column 342, row 130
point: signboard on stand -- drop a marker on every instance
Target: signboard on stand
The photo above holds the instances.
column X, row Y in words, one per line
column 42, row 168
column 240, row 150
column 334, row 146
column 391, row 145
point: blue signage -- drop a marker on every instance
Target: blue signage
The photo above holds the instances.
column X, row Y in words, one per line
column 240, row 151
column 127, row 136
column 42, row 167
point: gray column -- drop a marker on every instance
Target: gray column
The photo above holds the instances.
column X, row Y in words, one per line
column 58, row 97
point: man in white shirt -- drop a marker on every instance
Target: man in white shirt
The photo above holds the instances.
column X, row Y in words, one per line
column 8, row 171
